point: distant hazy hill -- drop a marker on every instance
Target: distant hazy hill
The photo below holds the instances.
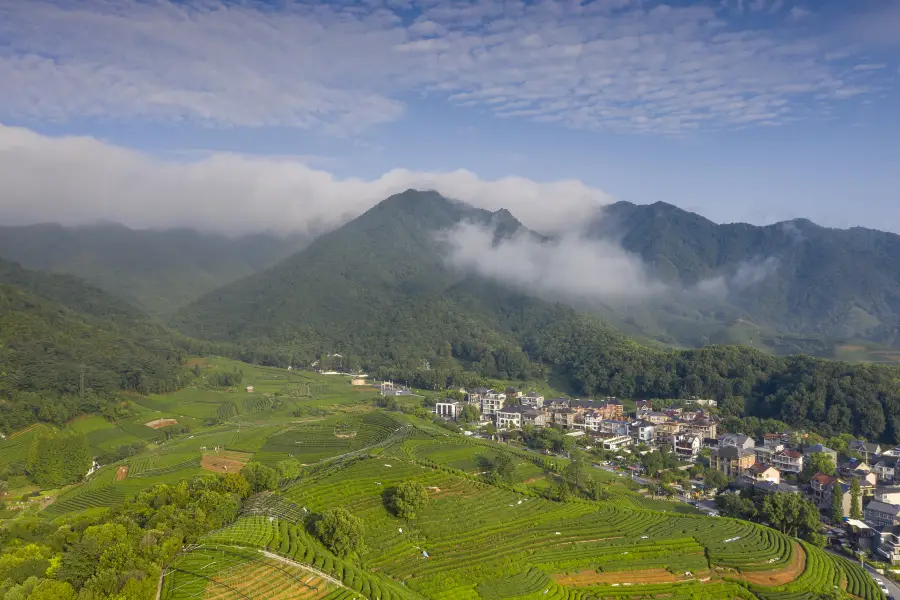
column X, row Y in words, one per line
column 157, row 271
column 806, row 279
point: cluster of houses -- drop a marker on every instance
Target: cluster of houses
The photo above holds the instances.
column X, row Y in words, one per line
column 681, row 430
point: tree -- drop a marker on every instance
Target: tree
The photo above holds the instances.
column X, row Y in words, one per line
column 289, row 468
column 340, row 531
column 470, row 414
column 502, row 468
column 260, row 477
column 574, row 471
column 855, row 508
column 792, row 515
column 837, row 502
column 407, row 499
column 715, row 479
column 818, row 462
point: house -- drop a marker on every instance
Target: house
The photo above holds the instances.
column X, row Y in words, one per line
column 887, row 543
column 448, row 409
column 892, row 453
column 657, row 417
column 664, row 433
column 617, row 428
column 492, row 402
column 616, row 443
column 642, row 432
column 732, row 461
column 760, row 472
column 869, row 450
column 771, row 440
column 821, row 449
column 878, row 513
column 700, row 426
column 738, row 440
column 533, row 400
column 888, row 495
column 766, row 454
column 687, row 446
column 564, row 417
column 535, row 418
column 641, row 406
column 249, row 389
column 556, row 404
column 510, row 418
column 885, row 469
column 512, row 394
column 820, row 489
column 611, row 409
column 788, row 461
column 590, row 420
column 475, row 395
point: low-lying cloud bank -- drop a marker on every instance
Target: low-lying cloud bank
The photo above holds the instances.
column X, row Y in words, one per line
column 79, row 180
column 576, row 268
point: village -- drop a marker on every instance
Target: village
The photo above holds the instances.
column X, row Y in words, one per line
column 862, row 486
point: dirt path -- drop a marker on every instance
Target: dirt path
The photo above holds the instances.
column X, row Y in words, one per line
column 780, row 576
column 306, row 567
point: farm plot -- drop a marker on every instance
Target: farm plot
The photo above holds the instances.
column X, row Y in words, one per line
column 224, row 461
column 225, row 573
column 15, row 447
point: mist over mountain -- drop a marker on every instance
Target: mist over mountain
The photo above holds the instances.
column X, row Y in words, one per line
column 156, row 270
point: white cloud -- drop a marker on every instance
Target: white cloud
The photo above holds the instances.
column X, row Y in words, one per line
column 345, row 66
column 570, row 267
column 76, row 180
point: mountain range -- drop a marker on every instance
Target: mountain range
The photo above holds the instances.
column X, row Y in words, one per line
column 390, row 292
column 155, row 270
column 790, row 287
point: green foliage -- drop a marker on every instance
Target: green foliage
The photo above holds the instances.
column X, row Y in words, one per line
column 57, row 459
column 818, row 462
column 855, row 496
column 792, row 514
column 715, row 479
column 53, row 329
column 837, row 503
column 260, row 477
column 289, row 468
column 340, row 531
column 408, row 498
column 470, row 414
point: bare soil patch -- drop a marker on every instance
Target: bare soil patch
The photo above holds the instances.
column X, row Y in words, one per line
column 160, row 423
column 588, row 578
column 224, row 462
column 13, row 436
column 531, row 480
column 780, row 576
column 350, row 435
column 122, row 473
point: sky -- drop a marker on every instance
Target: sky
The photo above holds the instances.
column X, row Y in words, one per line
column 249, row 115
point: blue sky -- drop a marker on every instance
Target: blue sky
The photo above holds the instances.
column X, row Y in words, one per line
column 159, row 112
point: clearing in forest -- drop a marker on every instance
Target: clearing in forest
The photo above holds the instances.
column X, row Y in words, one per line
column 160, row 423
column 225, row 462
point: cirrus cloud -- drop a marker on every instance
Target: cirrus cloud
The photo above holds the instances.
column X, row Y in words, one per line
column 344, row 66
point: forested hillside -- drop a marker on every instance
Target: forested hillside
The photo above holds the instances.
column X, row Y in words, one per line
column 54, row 328
column 157, row 271
column 791, row 277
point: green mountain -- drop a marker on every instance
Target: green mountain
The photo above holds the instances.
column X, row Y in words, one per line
column 67, row 347
column 810, row 284
column 378, row 287
column 156, row 270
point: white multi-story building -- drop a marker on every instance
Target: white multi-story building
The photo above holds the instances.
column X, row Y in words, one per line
column 448, row 409
column 492, row 402
column 788, row 461
column 533, row 400
column 616, row 443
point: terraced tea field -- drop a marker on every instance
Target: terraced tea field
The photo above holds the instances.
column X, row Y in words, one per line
column 475, row 541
